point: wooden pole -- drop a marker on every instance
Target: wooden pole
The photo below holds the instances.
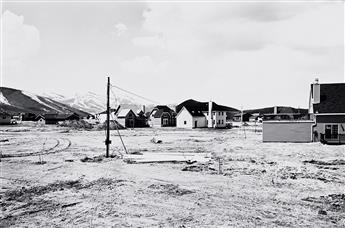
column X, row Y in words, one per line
column 107, row 140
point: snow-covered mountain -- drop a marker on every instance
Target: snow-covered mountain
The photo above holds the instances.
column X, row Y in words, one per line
column 14, row 101
column 95, row 103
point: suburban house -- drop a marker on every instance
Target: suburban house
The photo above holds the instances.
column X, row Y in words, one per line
column 102, row 116
column 54, row 118
column 162, row 116
column 327, row 110
column 241, row 117
column 195, row 114
column 141, row 120
column 29, row 116
column 40, row 119
column 326, row 123
column 5, row 118
column 189, row 118
column 286, row 113
column 256, row 117
column 127, row 118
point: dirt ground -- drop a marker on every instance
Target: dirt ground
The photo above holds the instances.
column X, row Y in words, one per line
column 70, row 184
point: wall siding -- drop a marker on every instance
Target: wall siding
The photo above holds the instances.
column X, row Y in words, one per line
column 184, row 115
column 287, row 131
column 155, row 122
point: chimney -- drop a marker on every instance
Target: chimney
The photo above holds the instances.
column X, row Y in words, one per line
column 316, row 92
column 275, row 110
column 144, row 109
column 210, row 116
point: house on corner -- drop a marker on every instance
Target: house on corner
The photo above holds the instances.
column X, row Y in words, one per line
column 326, row 121
column 190, row 118
column 162, row 116
column 327, row 110
column 195, row 114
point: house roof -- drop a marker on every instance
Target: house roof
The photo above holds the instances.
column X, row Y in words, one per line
column 125, row 112
column 39, row 117
column 111, row 110
column 59, row 116
column 158, row 111
column 193, row 112
column 332, row 98
column 202, row 106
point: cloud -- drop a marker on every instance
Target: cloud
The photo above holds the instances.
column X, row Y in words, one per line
column 190, row 28
column 149, row 41
column 120, row 29
column 143, row 65
column 20, row 41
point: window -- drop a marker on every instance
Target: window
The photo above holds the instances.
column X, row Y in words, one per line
column 222, row 121
column 185, row 122
column 165, row 122
column 218, row 113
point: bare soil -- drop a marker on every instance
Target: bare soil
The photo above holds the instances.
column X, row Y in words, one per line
column 59, row 177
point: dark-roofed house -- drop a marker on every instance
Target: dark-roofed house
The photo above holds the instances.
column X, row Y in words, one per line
column 241, row 117
column 126, row 117
column 195, row 114
column 5, row 118
column 190, row 118
column 327, row 109
column 54, row 118
column 162, row 116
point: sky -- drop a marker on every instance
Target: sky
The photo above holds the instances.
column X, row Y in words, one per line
column 240, row 54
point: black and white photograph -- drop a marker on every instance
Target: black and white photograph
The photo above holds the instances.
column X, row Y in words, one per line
column 172, row 113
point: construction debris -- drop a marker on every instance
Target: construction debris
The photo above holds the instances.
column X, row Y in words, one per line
column 155, row 141
column 170, row 189
column 148, row 157
column 94, row 159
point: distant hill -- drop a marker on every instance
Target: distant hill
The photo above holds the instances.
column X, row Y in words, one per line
column 95, row 103
column 18, row 101
column 280, row 109
column 203, row 106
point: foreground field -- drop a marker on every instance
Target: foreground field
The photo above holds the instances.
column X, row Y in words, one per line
column 260, row 184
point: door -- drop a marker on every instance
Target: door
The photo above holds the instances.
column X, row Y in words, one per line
column 331, row 131
column 328, row 131
column 196, row 124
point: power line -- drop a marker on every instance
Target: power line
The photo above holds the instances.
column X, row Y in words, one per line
column 144, row 98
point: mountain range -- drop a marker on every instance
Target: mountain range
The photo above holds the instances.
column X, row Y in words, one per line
column 18, row 101
column 15, row 100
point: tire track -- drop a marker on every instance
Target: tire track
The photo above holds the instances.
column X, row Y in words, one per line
column 60, row 145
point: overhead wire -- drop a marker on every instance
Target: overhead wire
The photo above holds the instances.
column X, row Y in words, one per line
column 134, row 94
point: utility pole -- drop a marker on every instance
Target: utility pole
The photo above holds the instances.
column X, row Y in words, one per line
column 107, row 140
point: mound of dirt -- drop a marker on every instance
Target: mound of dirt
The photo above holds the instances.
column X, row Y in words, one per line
column 76, row 124
column 196, row 168
column 170, row 189
column 332, row 202
column 23, row 193
column 333, row 162
column 113, row 126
